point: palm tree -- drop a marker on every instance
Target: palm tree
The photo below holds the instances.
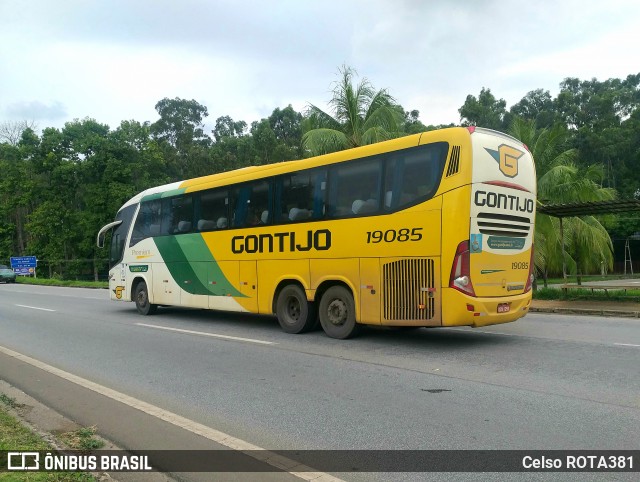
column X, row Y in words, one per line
column 561, row 181
column 360, row 116
column 587, row 241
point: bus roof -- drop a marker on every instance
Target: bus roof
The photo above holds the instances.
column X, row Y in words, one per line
column 257, row 172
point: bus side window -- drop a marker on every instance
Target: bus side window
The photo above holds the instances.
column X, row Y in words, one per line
column 214, row 210
column 251, row 204
column 182, row 209
column 354, row 188
column 300, row 196
column 413, row 176
column 148, row 221
column 177, row 215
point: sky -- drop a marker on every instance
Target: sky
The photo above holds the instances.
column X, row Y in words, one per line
column 114, row 60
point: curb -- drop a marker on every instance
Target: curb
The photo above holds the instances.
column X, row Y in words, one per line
column 586, row 311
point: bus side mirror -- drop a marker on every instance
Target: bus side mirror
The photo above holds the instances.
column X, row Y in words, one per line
column 103, row 232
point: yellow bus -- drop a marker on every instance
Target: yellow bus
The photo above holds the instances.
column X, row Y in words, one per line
column 432, row 229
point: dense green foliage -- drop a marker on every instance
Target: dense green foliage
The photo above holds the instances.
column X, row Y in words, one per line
column 59, row 186
column 362, row 116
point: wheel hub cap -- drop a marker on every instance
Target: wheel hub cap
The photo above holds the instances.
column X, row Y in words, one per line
column 293, row 308
column 337, row 312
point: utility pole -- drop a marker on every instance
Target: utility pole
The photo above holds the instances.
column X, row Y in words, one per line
column 627, row 258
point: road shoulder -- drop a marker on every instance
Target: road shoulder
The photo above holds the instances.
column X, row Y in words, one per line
column 48, row 424
column 126, row 426
column 622, row 309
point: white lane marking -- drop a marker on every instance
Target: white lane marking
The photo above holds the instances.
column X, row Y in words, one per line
column 291, row 466
column 35, row 308
column 106, row 297
column 497, row 333
column 523, row 336
column 203, row 333
column 474, row 330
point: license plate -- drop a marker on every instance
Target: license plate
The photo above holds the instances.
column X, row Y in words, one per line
column 503, row 307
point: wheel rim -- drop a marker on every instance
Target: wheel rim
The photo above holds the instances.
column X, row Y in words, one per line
column 293, row 308
column 337, row 312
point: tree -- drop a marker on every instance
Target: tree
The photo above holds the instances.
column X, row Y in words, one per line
column 587, row 242
column 16, row 191
column 181, row 122
column 264, row 140
column 549, row 146
column 360, row 116
column 484, row 111
column 11, row 131
column 538, row 106
column 180, row 136
column 412, row 123
column 603, row 117
column 227, row 127
column 287, row 126
column 595, row 104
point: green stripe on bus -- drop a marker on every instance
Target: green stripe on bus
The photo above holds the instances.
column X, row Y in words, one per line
column 151, row 197
column 161, row 195
column 195, row 276
column 174, row 192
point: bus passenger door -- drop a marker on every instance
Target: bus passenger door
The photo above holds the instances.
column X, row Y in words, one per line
column 370, row 289
column 249, row 285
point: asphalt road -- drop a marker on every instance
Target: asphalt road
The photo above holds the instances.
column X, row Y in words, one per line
column 544, row 382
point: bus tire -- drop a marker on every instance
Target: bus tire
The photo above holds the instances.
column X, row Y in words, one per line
column 141, row 297
column 295, row 313
column 337, row 313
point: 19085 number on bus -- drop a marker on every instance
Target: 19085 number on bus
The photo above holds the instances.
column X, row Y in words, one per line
column 391, row 235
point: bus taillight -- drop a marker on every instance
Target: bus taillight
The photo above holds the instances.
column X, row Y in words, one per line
column 529, row 284
column 460, row 270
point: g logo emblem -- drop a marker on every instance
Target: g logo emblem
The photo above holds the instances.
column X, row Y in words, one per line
column 118, row 291
column 507, row 158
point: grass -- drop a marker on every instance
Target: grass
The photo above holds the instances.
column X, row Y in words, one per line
column 586, row 294
column 82, row 439
column 8, row 401
column 59, row 282
column 16, row 437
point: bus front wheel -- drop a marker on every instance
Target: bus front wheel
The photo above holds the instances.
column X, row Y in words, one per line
column 294, row 312
column 338, row 314
column 141, row 297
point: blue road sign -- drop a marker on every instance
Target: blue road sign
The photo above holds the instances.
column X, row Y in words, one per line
column 23, row 262
column 24, row 271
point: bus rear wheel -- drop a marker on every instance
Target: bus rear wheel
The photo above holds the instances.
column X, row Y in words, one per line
column 337, row 313
column 295, row 313
column 141, row 297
